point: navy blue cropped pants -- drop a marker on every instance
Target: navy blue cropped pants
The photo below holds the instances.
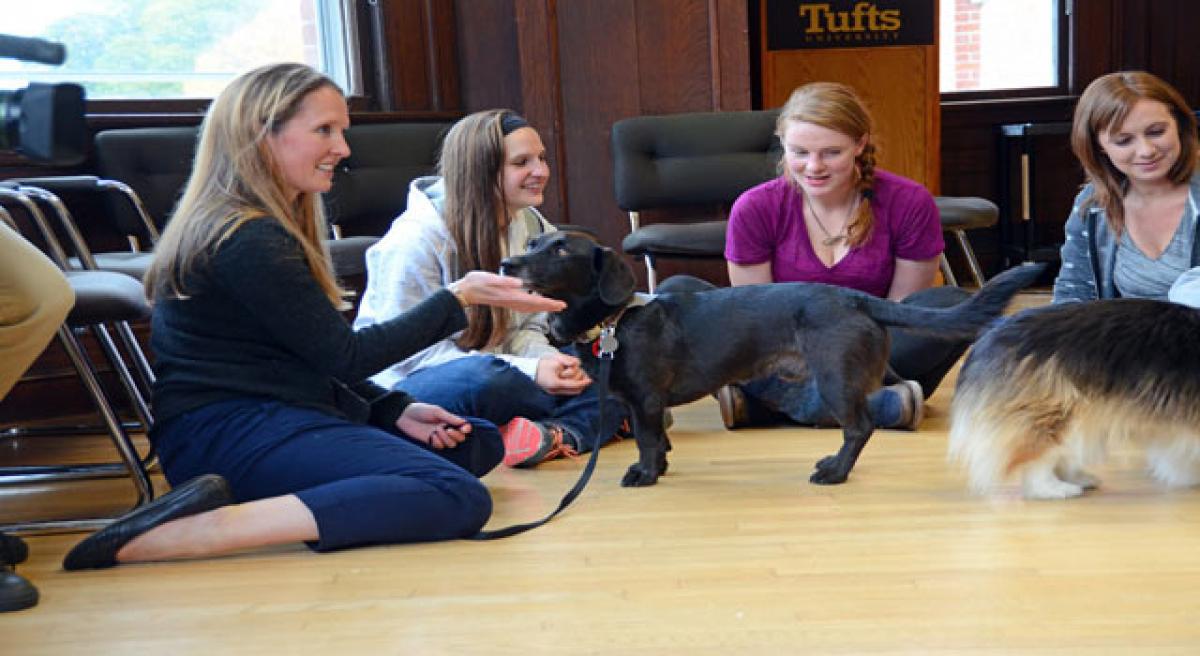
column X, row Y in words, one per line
column 364, row 485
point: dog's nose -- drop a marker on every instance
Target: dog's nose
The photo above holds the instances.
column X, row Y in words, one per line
column 506, row 266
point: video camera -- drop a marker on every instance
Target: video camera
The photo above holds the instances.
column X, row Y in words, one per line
column 44, row 122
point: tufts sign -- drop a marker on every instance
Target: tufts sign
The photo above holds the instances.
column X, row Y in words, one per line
column 801, row 24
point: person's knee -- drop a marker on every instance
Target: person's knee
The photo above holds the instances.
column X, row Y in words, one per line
column 59, row 300
column 489, row 448
column 43, row 310
column 475, row 507
column 500, row 379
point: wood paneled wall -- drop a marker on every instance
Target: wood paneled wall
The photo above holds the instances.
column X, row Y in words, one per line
column 418, row 46
column 577, row 66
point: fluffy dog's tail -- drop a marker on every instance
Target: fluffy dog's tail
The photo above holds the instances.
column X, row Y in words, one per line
column 1008, row 411
column 964, row 320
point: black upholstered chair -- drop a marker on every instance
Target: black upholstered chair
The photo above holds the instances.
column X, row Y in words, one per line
column 369, row 190
column 103, row 299
column 699, row 160
column 155, row 163
column 39, row 199
column 140, row 232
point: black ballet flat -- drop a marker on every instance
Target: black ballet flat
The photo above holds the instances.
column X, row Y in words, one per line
column 198, row 495
column 13, row 550
column 16, row 592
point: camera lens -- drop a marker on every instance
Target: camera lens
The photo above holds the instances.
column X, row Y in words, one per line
column 44, row 122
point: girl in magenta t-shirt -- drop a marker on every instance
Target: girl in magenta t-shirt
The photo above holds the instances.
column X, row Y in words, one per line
column 832, row 217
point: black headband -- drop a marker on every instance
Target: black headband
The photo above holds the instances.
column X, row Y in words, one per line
column 510, row 122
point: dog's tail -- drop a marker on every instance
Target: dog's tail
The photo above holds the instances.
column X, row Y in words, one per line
column 994, row 427
column 964, row 320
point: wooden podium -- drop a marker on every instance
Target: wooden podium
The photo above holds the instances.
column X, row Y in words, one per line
column 860, row 43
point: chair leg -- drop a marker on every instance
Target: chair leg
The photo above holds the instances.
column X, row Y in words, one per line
column 651, row 274
column 635, row 221
column 972, row 262
column 947, row 272
column 130, row 461
column 136, row 396
column 141, row 363
column 136, row 389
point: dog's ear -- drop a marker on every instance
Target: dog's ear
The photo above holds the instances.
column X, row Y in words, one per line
column 615, row 278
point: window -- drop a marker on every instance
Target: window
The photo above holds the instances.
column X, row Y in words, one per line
column 992, row 45
column 169, row 49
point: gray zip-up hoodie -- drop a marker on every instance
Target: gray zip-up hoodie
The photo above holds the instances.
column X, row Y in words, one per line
column 1089, row 252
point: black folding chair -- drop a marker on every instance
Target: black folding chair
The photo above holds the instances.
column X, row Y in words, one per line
column 103, row 299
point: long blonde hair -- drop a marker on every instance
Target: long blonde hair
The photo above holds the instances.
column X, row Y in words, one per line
column 235, row 179
column 837, row 107
column 472, row 163
column 1103, row 107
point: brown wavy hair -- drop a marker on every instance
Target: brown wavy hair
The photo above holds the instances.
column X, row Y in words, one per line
column 1103, row 107
column 837, row 107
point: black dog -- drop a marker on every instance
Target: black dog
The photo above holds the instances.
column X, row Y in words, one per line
column 680, row 347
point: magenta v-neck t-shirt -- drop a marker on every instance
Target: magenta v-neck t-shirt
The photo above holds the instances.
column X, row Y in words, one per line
column 766, row 224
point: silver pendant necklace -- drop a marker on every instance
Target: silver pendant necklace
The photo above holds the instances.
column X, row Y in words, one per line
column 831, row 240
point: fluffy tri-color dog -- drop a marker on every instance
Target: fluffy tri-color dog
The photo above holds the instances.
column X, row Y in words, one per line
column 1044, row 392
column 680, row 347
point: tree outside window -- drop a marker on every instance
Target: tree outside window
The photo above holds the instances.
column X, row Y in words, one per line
column 163, row 49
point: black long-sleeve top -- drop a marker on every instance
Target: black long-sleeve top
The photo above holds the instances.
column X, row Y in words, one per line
column 257, row 324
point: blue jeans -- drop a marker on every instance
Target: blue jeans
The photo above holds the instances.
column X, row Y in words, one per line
column 801, row 402
column 488, row 387
column 364, row 485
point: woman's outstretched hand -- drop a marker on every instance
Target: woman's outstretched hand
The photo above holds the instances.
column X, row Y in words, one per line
column 483, row 288
column 433, row 425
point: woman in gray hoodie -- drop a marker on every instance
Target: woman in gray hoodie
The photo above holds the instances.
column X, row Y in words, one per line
column 480, row 209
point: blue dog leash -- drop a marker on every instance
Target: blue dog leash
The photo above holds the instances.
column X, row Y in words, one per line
column 604, row 347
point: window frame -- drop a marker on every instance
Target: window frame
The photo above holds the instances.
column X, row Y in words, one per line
column 1066, row 53
column 357, row 41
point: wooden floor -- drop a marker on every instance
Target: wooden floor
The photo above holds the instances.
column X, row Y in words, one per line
column 733, row 552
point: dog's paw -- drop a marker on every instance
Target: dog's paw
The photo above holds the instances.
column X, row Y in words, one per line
column 1083, row 479
column 637, row 476
column 1043, row 488
column 828, row 472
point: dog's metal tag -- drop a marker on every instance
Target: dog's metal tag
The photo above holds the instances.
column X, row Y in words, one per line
column 608, row 341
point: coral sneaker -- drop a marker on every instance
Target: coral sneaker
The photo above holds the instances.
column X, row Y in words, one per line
column 529, row 443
